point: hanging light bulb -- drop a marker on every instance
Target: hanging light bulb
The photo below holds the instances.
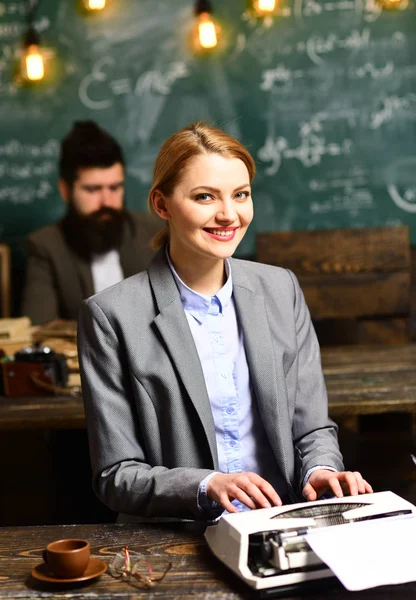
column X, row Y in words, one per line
column 33, row 67
column 264, row 7
column 207, row 30
column 395, row 4
column 94, row 4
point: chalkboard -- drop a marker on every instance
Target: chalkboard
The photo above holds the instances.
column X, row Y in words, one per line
column 324, row 96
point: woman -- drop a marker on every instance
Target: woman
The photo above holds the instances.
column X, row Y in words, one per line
column 201, row 376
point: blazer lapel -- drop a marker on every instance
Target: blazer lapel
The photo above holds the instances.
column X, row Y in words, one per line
column 174, row 328
column 128, row 252
column 265, row 365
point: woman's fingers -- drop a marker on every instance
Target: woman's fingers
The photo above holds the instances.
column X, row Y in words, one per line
column 309, row 493
column 248, row 488
column 334, row 486
column 343, row 483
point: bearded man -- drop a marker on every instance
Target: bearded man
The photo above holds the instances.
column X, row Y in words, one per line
column 98, row 242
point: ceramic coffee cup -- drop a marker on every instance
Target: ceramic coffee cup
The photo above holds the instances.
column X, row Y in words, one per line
column 67, row 558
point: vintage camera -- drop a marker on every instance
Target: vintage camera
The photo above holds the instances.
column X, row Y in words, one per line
column 18, row 377
column 54, row 364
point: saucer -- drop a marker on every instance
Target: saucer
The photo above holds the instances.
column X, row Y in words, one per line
column 95, row 568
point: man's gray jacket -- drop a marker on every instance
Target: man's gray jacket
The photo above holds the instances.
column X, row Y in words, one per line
column 58, row 279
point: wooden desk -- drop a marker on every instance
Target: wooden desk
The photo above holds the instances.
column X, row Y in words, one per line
column 360, row 380
column 195, row 573
column 370, row 379
column 48, row 412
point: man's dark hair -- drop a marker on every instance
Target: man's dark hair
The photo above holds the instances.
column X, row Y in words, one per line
column 87, row 146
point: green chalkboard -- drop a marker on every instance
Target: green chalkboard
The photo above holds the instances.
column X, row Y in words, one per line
column 324, row 97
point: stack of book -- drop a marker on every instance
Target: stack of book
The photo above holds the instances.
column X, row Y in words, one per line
column 15, row 333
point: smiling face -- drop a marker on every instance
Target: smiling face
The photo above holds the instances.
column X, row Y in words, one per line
column 209, row 210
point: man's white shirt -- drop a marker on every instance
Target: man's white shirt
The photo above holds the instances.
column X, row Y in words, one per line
column 106, row 270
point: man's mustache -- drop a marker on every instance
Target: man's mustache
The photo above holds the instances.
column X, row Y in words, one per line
column 104, row 213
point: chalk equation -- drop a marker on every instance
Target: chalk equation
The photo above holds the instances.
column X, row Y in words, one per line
column 316, row 46
column 16, row 8
column 313, row 146
column 370, row 71
column 406, row 199
column 284, row 75
column 16, row 149
column 351, row 200
column 25, row 170
column 26, row 194
column 369, row 10
column 348, row 191
column 15, row 29
column 393, row 106
column 98, row 89
column 281, row 74
column 355, row 177
column 401, row 183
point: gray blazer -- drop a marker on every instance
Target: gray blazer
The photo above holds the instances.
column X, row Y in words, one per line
column 150, row 425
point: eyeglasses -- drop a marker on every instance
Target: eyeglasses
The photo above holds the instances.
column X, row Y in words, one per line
column 135, row 570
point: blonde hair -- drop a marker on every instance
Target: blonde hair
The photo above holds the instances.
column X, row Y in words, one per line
column 198, row 138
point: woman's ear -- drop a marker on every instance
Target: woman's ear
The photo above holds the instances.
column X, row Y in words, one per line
column 159, row 205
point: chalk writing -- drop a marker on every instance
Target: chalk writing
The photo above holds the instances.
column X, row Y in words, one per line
column 10, row 30
column 27, row 169
column 392, row 105
column 161, row 83
column 312, row 148
column 9, row 52
column 355, row 177
column 15, row 8
column 372, row 72
column 97, row 75
column 148, row 82
column 26, row 194
column 316, row 46
column 369, row 9
column 405, row 200
column 372, row 9
column 16, row 29
column 15, row 148
column 351, row 201
column 278, row 75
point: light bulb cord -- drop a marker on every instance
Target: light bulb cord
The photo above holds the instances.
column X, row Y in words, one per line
column 31, row 9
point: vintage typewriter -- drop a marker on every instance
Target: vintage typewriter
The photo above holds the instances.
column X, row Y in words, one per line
column 268, row 547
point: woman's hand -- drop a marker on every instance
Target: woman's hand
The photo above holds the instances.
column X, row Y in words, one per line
column 248, row 488
column 346, row 483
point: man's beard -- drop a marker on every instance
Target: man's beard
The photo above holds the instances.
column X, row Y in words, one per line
column 96, row 233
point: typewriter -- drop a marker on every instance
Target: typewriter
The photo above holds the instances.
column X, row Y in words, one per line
column 268, row 547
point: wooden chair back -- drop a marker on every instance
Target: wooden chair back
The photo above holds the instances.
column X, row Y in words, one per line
column 358, row 277
column 5, row 285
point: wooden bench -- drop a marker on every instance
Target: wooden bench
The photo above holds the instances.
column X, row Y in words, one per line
column 356, row 282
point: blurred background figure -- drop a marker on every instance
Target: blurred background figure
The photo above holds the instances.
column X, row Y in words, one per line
column 98, row 242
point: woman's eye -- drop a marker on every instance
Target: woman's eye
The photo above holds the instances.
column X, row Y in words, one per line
column 203, row 197
column 244, row 194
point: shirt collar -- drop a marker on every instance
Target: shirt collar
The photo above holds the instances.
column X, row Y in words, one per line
column 199, row 305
